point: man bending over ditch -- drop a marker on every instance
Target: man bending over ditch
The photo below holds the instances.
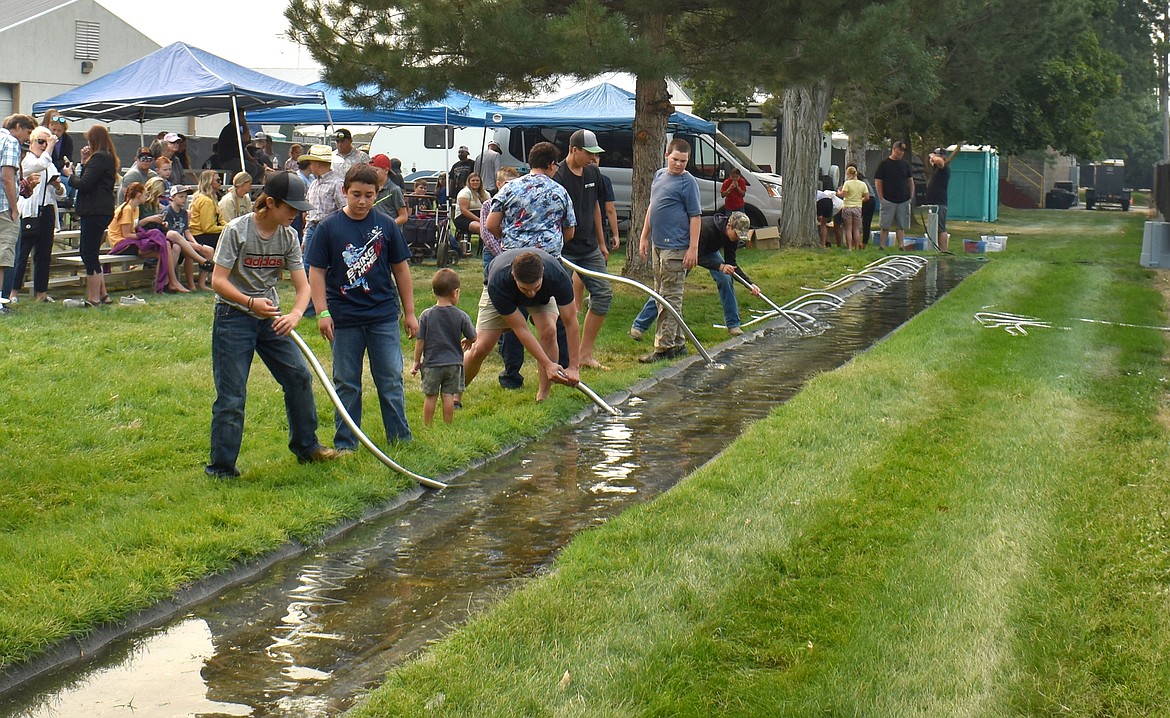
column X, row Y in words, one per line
column 533, row 279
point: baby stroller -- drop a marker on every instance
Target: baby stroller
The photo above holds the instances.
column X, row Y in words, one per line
column 426, row 230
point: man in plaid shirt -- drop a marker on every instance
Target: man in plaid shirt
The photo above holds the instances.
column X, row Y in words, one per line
column 13, row 134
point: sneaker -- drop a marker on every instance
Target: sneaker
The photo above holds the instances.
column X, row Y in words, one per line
column 214, row 473
column 635, row 334
column 734, row 331
column 13, row 299
column 4, row 311
column 47, row 299
column 207, row 266
column 131, row 301
column 318, row 456
column 663, row 355
column 77, row 304
column 107, row 299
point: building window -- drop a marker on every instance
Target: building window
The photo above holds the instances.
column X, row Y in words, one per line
column 86, row 40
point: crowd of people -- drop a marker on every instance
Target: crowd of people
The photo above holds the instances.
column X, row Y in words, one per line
column 335, row 225
column 849, row 209
column 351, row 270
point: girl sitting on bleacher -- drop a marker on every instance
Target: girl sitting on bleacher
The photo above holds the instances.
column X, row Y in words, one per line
column 128, row 236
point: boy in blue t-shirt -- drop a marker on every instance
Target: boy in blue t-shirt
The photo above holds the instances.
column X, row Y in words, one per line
column 444, row 332
column 360, row 276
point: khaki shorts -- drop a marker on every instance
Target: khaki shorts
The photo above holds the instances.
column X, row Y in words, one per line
column 9, row 233
column 487, row 318
column 446, row 379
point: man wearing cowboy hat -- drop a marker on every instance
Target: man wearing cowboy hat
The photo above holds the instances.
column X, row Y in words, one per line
column 325, row 194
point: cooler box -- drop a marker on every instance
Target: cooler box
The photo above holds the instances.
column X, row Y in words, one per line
column 995, row 242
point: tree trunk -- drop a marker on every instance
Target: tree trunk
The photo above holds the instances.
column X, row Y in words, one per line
column 1163, row 65
column 805, row 108
column 652, row 108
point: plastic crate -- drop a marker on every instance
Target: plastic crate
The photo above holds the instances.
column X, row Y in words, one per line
column 974, row 246
column 995, row 242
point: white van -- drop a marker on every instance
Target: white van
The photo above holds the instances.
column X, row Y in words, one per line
column 711, row 159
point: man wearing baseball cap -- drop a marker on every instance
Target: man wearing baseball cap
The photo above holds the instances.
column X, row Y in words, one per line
column 346, row 155
column 140, row 172
column 719, row 238
column 172, row 143
column 487, row 165
column 894, row 181
column 587, row 247
column 260, row 145
column 457, row 177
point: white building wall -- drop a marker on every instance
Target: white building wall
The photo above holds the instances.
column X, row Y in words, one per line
column 37, row 62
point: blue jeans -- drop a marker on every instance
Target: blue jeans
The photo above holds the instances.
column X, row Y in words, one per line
column 723, row 283
column 381, row 342
column 306, row 242
column 235, row 338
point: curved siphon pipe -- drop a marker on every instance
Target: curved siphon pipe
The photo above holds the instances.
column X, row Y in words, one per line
column 770, row 303
column 828, row 298
column 886, row 272
column 900, row 258
column 755, row 320
column 657, row 297
column 593, row 396
column 849, row 279
column 802, row 305
column 803, row 315
column 324, row 378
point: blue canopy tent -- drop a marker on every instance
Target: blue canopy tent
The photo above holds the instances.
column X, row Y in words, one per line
column 601, row 107
column 174, row 81
column 456, row 108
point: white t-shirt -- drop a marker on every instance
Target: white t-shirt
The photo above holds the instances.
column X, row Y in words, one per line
column 474, row 202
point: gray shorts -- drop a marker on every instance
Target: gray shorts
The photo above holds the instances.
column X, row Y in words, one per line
column 487, row 318
column 942, row 218
column 9, row 233
column 447, row 379
column 600, row 293
column 895, row 215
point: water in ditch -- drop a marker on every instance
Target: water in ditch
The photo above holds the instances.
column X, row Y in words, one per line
column 313, row 633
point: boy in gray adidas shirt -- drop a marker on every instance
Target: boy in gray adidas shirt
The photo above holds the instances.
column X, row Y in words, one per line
column 251, row 254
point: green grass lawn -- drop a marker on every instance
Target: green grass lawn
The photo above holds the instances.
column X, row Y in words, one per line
column 957, row 523
column 104, row 508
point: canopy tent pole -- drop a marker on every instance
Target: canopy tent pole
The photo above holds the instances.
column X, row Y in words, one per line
column 328, row 118
column 141, row 127
column 239, row 132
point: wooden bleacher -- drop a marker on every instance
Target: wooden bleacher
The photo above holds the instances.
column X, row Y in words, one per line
column 67, row 270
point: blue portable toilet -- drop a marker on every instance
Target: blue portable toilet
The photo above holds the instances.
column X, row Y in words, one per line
column 973, row 193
